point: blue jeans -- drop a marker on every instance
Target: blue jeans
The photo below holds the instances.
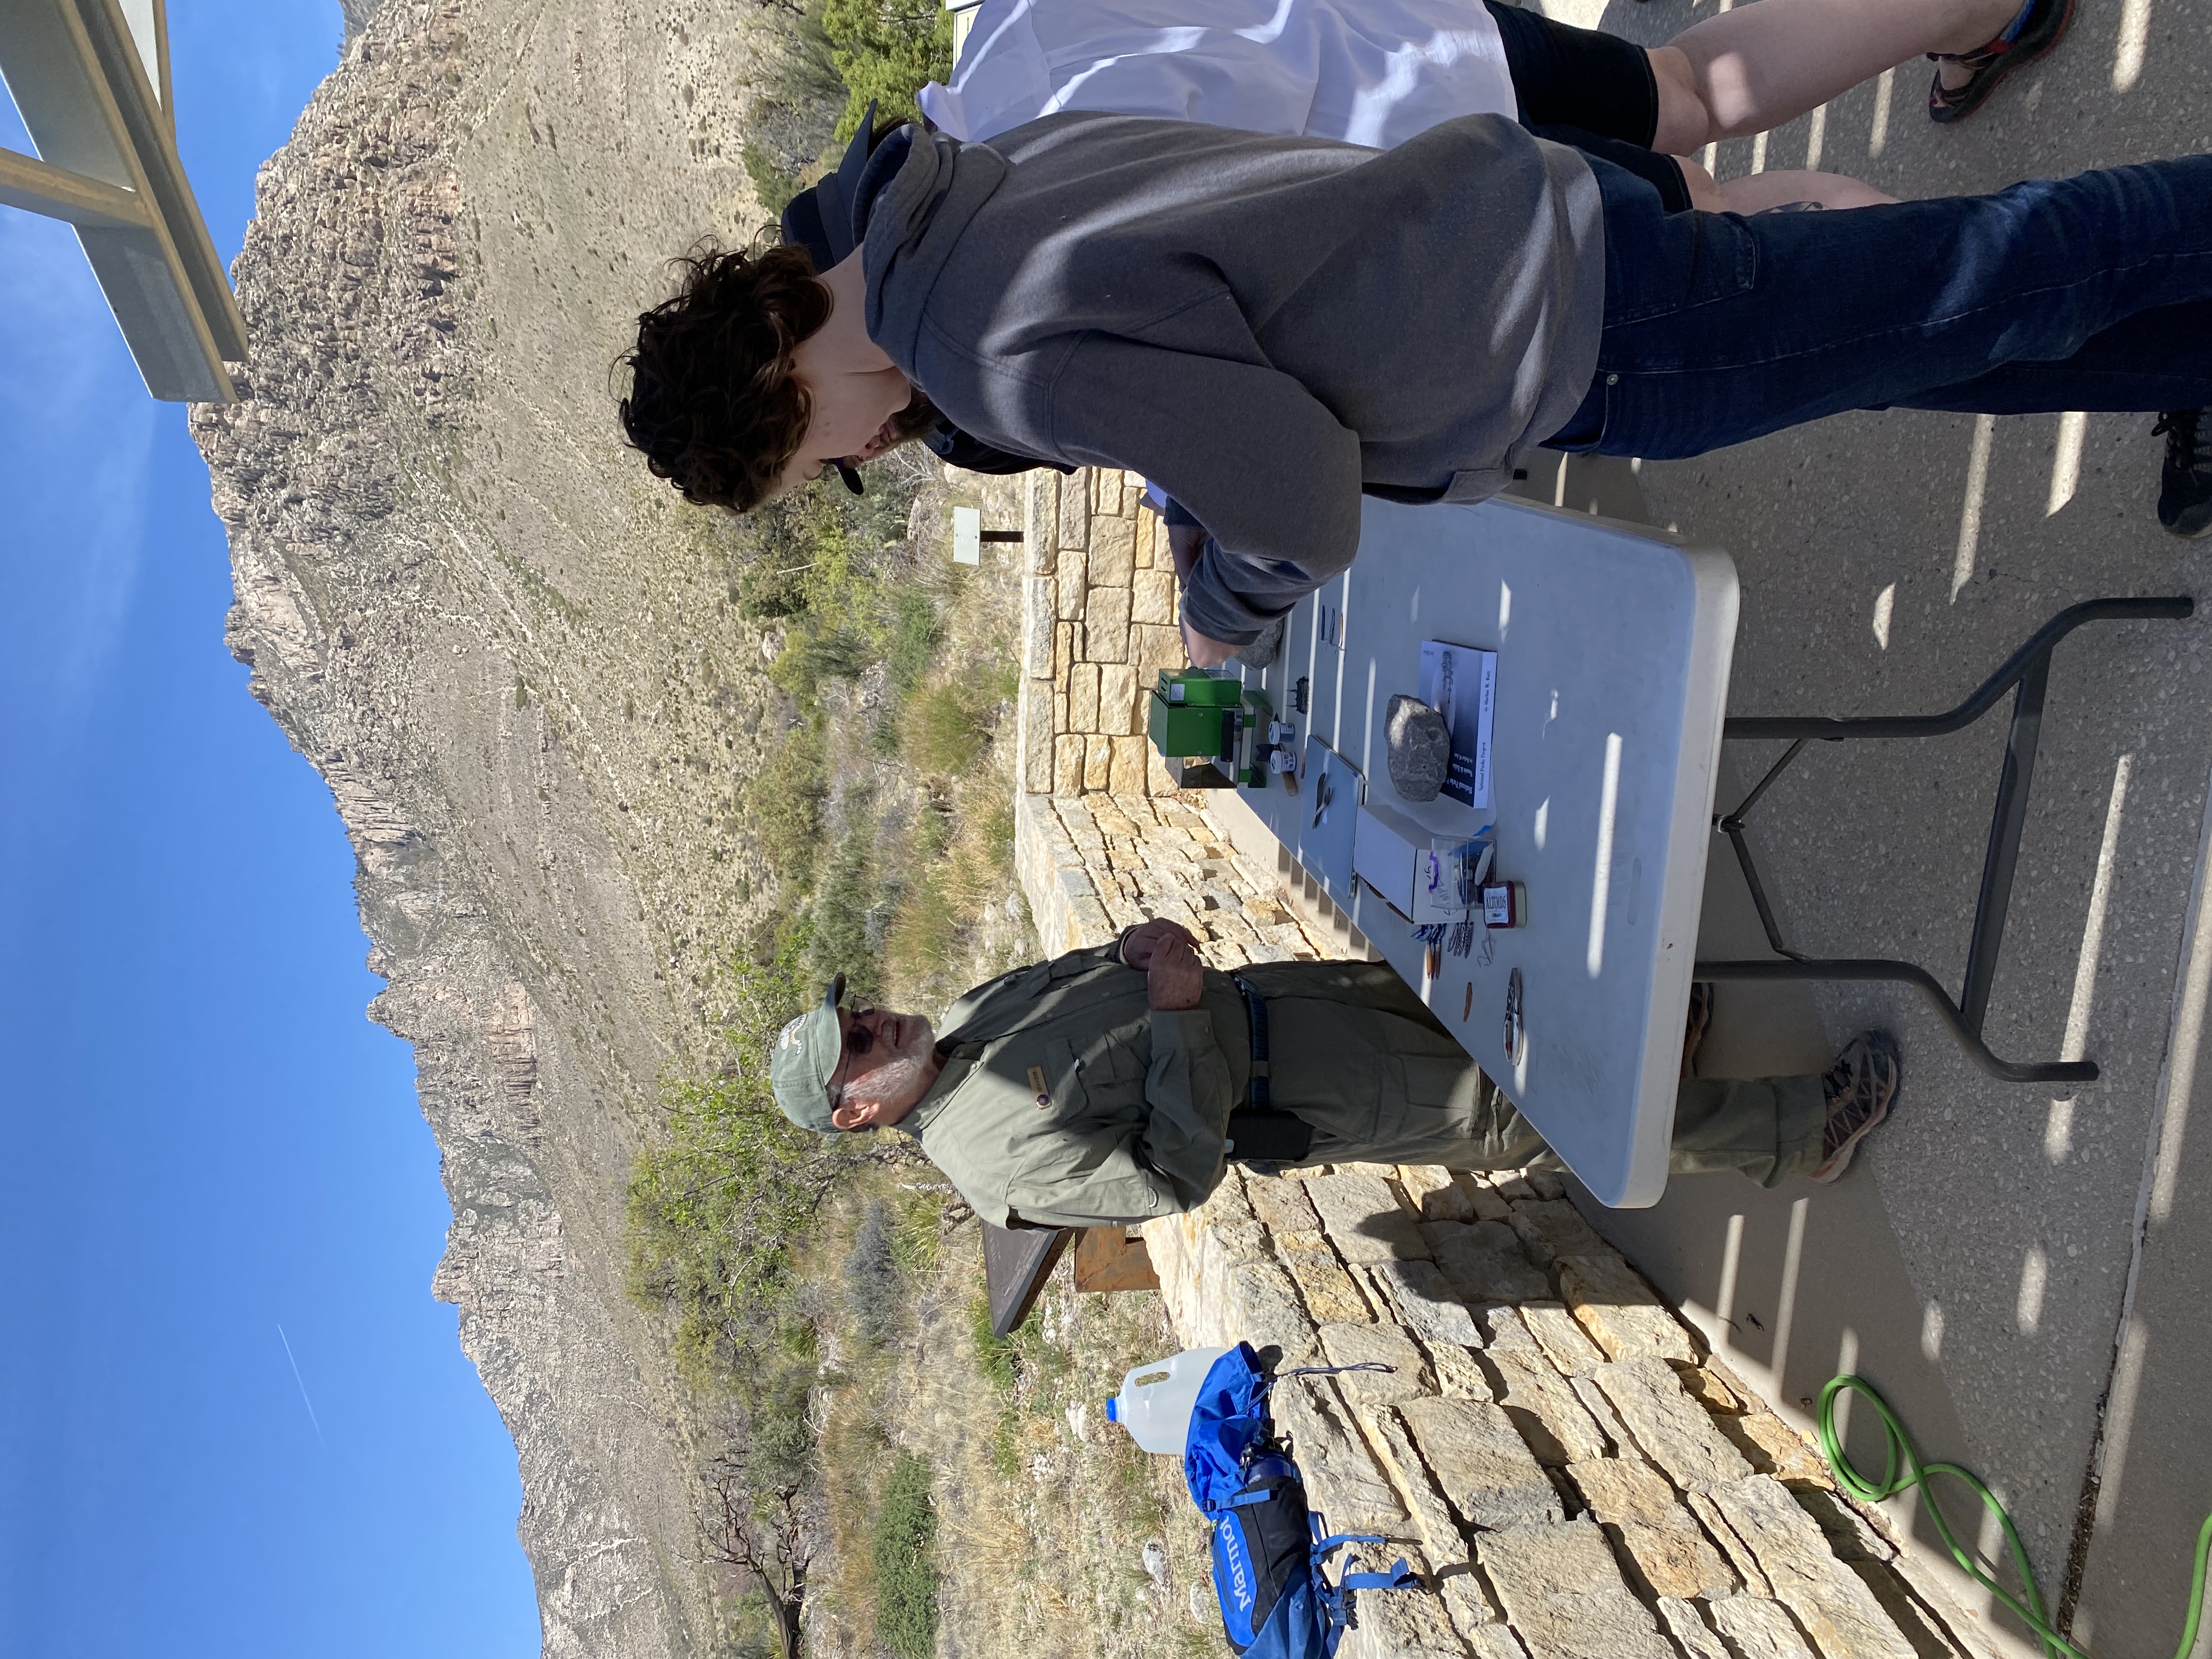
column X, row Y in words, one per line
column 2089, row 293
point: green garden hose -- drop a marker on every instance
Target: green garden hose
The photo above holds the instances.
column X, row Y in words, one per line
column 1900, row 1450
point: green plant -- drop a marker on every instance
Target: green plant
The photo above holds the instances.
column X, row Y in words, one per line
column 906, row 1561
column 841, row 911
column 886, row 50
column 786, row 803
column 996, row 1360
column 874, row 1292
column 947, row 727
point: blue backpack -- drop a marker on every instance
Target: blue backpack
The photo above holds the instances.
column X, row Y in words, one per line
column 1269, row 1549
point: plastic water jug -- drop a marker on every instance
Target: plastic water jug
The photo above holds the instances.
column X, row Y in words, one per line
column 1155, row 1402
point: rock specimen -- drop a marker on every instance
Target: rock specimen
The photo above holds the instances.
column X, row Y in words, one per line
column 1419, row 747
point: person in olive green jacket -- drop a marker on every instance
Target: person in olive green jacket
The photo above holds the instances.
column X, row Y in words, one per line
column 1098, row 1088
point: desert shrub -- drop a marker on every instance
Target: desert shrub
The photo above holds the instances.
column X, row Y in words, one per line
column 915, row 632
column 906, row 1561
column 945, row 729
column 717, row 1203
column 874, row 1290
column 785, row 802
column 842, row 905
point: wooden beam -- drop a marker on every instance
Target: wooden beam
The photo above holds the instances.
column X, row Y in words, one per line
column 28, row 183
column 1017, row 1261
column 1108, row 1258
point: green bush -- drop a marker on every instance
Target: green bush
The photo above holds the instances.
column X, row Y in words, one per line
column 915, row 633
column 874, row 1292
column 841, row 904
column 906, row 1561
column 887, row 51
column 785, row 804
column 947, row 727
column 716, row 1205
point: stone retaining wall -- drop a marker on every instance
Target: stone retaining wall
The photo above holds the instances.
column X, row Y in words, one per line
column 1557, row 1454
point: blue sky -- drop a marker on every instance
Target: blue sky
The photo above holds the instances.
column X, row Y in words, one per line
column 211, row 1152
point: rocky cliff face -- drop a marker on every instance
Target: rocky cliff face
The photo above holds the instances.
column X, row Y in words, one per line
column 511, row 655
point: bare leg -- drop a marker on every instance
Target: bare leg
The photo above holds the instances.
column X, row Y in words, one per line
column 1758, row 66
column 1763, row 191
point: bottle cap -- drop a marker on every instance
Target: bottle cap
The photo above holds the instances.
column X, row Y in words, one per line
column 1113, row 1411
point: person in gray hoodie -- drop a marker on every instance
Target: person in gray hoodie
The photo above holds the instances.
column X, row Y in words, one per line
column 1269, row 326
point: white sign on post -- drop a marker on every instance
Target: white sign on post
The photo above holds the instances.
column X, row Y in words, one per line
column 967, row 536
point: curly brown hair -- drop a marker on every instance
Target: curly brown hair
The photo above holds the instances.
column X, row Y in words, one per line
column 713, row 404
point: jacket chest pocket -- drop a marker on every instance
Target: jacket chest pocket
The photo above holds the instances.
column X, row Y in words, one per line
column 1095, row 1075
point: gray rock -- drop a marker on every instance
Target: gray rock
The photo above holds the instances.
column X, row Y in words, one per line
column 1393, row 1444
column 1419, row 747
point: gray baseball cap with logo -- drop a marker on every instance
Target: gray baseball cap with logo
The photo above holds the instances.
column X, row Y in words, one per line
column 805, row 1059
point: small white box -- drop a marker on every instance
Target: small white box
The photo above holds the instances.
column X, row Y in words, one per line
column 967, row 536
column 1408, row 861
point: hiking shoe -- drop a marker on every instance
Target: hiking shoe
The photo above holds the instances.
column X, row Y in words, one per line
column 1265, row 649
column 1859, row 1087
column 2034, row 33
column 2185, row 493
column 1700, row 1022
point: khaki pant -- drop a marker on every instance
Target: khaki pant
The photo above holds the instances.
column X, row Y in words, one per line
column 1356, row 1054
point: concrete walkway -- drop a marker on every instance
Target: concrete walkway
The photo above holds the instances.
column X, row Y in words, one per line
column 2023, row 1270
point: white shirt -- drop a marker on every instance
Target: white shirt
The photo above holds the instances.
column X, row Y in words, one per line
column 1373, row 72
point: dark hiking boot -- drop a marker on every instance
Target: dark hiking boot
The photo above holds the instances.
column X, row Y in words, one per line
column 2185, row 491
column 2038, row 30
column 1860, row 1088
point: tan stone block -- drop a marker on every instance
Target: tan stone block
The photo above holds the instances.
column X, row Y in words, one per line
column 1488, row 1205
column 1619, row 1310
column 1083, row 698
column 1041, row 518
column 1481, row 1462
column 1067, row 764
column 1097, row 762
column 1120, row 709
column 1330, row 1295
column 1706, row 1387
column 1564, row 1593
column 1157, row 780
column 1341, row 1478
column 1267, row 1311
column 1772, row 1447
column 1460, row 1376
column 1068, row 586
column 1661, row 1539
column 1356, row 1345
column 1127, row 774
column 1670, row 1428
column 1434, row 1192
column 1681, row 1620
column 1363, row 1219
column 1063, row 652
column 1407, row 1624
column 1106, row 625
column 1113, row 552
column 1831, row 1603
column 1074, row 518
column 1544, row 1407
column 1280, row 1203
column 1562, row 1339
column 1158, row 645
column 1755, row 1629
column 1550, row 1230
column 1037, row 736
column 1148, row 532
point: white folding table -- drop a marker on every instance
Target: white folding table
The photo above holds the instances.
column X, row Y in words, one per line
column 1613, row 648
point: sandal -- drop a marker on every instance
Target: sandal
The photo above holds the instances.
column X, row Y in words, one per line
column 2038, row 32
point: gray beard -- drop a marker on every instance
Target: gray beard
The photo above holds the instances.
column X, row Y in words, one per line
column 896, row 1078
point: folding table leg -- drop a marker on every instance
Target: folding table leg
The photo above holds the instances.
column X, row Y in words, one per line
column 2028, row 669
